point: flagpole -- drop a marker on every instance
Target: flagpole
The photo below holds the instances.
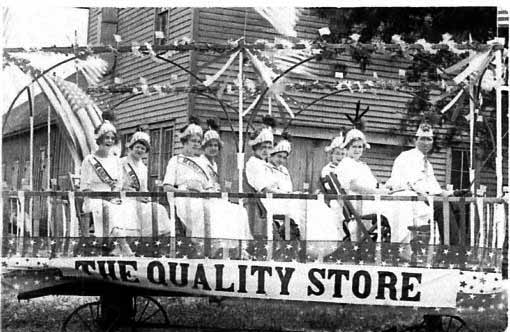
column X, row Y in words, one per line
column 240, row 153
column 472, row 160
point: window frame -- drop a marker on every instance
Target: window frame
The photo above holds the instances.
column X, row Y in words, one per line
column 158, row 13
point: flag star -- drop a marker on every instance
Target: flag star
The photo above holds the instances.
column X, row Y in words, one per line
column 52, row 242
column 136, row 243
column 482, row 280
column 463, row 284
column 429, row 266
column 355, row 247
column 32, row 242
column 288, row 246
column 338, row 261
column 16, row 286
column 179, row 242
column 472, row 296
column 491, row 254
column 468, row 253
column 474, row 268
column 158, row 243
column 361, row 262
column 94, row 242
column 446, row 251
column 451, row 266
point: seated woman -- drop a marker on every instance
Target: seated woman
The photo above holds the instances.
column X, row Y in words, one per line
column 322, row 223
column 262, row 176
column 230, row 220
column 102, row 171
column 135, row 179
column 335, row 153
column 356, row 178
column 183, row 173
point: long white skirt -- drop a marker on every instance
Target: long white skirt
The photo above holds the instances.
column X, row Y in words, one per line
column 144, row 217
column 226, row 220
column 120, row 217
column 400, row 215
column 322, row 222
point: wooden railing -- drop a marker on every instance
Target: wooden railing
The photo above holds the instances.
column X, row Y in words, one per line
column 63, row 217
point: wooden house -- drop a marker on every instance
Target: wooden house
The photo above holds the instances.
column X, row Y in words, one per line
column 312, row 129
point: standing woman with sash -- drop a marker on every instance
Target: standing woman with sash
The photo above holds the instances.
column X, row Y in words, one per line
column 228, row 220
column 184, row 174
column 102, row 171
column 135, row 179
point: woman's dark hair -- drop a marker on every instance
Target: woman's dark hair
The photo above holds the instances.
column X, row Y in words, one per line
column 192, row 120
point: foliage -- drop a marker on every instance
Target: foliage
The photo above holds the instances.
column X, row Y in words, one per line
column 411, row 23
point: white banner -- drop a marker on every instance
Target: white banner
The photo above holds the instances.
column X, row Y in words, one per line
column 354, row 284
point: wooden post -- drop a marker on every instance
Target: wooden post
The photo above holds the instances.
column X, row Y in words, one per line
column 171, row 203
column 446, row 221
column 269, row 225
column 240, row 152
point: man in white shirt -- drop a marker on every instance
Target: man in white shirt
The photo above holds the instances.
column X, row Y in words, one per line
column 413, row 171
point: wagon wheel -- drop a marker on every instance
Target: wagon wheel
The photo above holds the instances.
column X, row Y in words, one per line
column 148, row 312
column 90, row 317
column 444, row 323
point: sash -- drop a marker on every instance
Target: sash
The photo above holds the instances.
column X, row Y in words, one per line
column 214, row 174
column 183, row 160
column 101, row 172
column 135, row 182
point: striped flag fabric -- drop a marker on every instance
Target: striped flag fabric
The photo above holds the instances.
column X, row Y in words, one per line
column 283, row 19
column 502, row 18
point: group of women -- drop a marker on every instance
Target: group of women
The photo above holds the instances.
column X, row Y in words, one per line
column 195, row 170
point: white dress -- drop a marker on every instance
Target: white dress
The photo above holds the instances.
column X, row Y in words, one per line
column 119, row 216
column 411, row 170
column 135, row 178
column 181, row 171
column 228, row 220
column 321, row 222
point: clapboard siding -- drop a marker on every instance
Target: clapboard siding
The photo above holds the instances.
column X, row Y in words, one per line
column 92, row 38
column 138, row 25
column 387, row 107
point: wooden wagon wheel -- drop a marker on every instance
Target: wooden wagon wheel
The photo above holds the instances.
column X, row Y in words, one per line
column 90, row 317
column 438, row 323
column 148, row 312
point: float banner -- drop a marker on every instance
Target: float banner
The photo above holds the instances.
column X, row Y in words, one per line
column 354, row 284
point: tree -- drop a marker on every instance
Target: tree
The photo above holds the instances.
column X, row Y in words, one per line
column 411, row 23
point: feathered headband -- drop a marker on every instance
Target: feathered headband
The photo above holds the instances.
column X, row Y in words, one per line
column 335, row 143
column 104, row 128
column 266, row 133
column 212, row 133
column 140, row 136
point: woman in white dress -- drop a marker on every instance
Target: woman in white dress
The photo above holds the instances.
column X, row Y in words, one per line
column 102, row 171
column 262, row 176
column 184, row 174
column 230, row 220
column 322, row 223
column 135, row 179
column 356, row 178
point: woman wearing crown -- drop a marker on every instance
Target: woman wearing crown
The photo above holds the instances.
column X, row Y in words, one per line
column 135, row 179
column 102, row 171
column 230, row 220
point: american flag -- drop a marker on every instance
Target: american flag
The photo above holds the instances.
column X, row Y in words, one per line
column 502, row 18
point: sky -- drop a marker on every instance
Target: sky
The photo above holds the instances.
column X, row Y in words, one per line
column 28, row 26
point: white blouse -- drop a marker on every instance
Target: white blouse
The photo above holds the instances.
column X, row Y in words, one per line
column 259, row 174
column 349, row 169
column 180, row 174
column 89, row 178
column 140, row 170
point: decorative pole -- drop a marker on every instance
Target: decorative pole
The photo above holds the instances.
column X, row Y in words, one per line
column 472, row 114
column 499, row 130
column 240, row 153
column 48, row 152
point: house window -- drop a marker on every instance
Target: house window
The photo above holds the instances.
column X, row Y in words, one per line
column 161, row 25
column 161, row 151
column 460, row 169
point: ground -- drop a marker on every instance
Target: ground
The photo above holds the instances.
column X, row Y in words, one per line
column 47, row 313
